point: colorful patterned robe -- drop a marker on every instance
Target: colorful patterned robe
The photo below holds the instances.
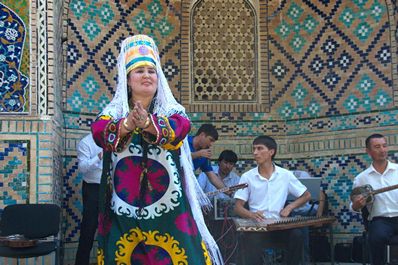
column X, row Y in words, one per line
column 160, row 229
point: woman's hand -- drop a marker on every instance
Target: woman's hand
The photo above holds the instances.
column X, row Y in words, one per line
column 140, row 116
column 128, row 124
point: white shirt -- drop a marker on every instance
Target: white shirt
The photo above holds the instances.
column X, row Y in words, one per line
column 386, row 203
column 269, row 195
column 230, row 180
column 89, row 163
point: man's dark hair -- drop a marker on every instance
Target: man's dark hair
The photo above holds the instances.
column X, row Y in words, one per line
column 209, row 130
column 373, row 136
column 268, row 141
column 229, row 156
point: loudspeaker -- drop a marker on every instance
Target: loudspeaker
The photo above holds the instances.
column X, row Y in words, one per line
column 342, row 252
column 319, row 248
column 357, row 250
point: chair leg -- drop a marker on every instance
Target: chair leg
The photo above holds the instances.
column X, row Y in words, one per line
column 364, row 249
column 58, row 261
column 388, row 257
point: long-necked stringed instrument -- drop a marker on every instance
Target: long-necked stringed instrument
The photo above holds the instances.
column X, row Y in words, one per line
column 368, row 192
column 227, row 189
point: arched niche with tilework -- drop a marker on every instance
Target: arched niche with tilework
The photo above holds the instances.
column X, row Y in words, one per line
column 223, row 65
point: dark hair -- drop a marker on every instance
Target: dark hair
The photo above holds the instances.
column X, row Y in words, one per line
column 209, row 130
column 228, row 155
column 268, row 141
column 373, row 136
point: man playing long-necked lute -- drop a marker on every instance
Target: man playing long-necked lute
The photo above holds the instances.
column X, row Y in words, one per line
column 383, row 208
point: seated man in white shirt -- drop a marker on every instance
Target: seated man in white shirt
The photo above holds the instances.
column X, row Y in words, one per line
column 224, row 170
column 383, row 212
column 268, row 188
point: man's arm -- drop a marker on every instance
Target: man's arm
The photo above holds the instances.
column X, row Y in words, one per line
column 203, row 181
column 358, row 202
column 215, row 180
column 86, row 160
column 322, row 202
column 245, row 213
column 295, row 204
column 201, row 153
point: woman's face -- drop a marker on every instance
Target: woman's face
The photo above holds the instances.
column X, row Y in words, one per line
column 143, row 82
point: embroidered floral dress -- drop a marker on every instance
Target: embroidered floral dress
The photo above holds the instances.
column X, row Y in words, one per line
column 156, row 228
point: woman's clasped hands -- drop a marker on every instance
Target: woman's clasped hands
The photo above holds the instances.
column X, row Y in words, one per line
column 138, row 117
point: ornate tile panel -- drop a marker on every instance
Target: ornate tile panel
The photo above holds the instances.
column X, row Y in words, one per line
column 14, row 57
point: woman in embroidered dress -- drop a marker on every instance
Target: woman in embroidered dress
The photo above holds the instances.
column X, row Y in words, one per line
column 150, row 208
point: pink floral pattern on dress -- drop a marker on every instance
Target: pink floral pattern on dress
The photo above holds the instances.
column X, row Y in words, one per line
column 147, row 254
column 104, row 224
column 185, row 223
column 127, row 180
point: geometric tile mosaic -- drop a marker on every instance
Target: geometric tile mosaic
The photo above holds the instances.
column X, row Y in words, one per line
column 72, row 200
column 331, row 61
column 332, row 69
column 251, row 124
column 30, row 164
column 95, row 34
column 14, row 172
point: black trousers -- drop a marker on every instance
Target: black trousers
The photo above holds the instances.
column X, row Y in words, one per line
column 253, row 244
column 381, row 229
column 89, row 223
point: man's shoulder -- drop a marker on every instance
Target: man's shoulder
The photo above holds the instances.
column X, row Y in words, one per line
column 190, row 139
column 282, row 170
column 250, row 172
column 86, row 141
column 393, row 165
column 364, row 173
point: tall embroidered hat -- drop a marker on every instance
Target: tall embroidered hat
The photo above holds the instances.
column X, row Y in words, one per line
column 139, row 51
